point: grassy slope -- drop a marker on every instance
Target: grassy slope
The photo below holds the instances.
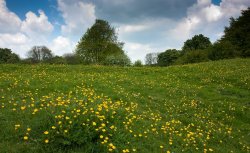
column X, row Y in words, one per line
column 207, row 104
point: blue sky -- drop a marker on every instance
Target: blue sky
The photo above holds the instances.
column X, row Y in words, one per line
column 144, row 25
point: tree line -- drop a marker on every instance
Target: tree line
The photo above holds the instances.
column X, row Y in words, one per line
column 234, row 43
column 100, row 45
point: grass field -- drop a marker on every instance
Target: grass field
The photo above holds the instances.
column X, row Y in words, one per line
column 63, row 108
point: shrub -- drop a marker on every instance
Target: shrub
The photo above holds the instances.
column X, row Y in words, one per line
column 222, row 50
column 138, row 63
column 194, row 56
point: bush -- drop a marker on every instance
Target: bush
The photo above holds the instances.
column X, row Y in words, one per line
column 138, row 63
column 222, row 50
column 119, row 60
column 72, row 59
column 57, row 60
column 194, row 56
column 6, row 56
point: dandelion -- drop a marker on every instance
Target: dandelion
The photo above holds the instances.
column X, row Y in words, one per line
column 45, row 132
column 25, row 138
column 110, row 149
column 17, row 126
column 46, row 141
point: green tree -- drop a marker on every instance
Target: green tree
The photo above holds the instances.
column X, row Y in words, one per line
column 238, row 33
column 40, row 54
column 56, row 60
column 71, row 58
column 222, row 50
column 138, row 63
column 168, row 57
column 99, row 42
column 6, row 56
column 197, row 42
column 193, row 56
column 121, row 60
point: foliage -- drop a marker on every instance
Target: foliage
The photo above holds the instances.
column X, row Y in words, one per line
column 168, row 57
column 238, row 33
column 7, row 56
column 121, row 60
column 99, row 42
column 197, row 42
column 57, row 60
column 194, row 56
column 151, row 59
column 39, row 54
column 74, row 108
column 138, row 63
column 222, row 50
column 72, row 58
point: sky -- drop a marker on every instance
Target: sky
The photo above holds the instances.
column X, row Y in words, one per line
column 145, row 26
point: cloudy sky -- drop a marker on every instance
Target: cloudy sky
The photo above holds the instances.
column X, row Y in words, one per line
column 144, row 25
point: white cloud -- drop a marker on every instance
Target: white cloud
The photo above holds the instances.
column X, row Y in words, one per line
column 20, row 35
column 19, row 43
column 184, row 28
column 77, row 15
column 209, row 19
column 232, row 8
column 132, row 28
column 35, row 26
column 9, row 21
column 203, row 17
column 212, row 13
column 62, row 45
column 138, row 51
column 16, row 39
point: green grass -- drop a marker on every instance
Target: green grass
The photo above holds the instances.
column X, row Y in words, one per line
column 192, row 108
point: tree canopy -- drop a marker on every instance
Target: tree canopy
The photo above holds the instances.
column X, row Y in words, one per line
column 238, row 33
column 198, row 42
column 39, row 54
column 99, row 42
column 168, row 57
column 6, row 56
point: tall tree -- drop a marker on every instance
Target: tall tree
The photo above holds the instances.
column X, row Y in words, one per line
column 238, row 33
column 6, row 56
column 99, row 42
column 40, row 53
column 198, row 42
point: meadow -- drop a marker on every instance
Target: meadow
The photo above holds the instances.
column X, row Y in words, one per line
column 201, row 107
